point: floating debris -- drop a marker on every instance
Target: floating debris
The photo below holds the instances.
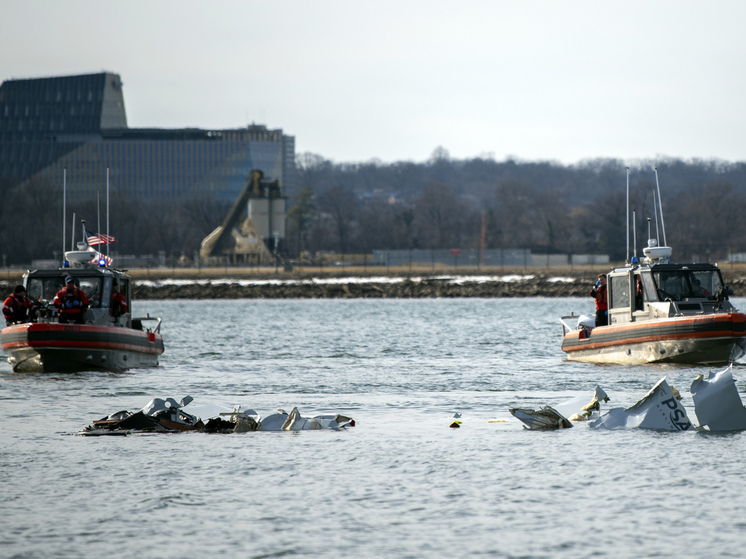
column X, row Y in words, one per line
column 575, row 410
column 169, row 416
column 549, row 418
column 660, row 410
column 717, row 403
column 545, row 419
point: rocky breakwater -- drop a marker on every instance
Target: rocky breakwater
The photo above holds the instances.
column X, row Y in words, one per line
column 319, row 288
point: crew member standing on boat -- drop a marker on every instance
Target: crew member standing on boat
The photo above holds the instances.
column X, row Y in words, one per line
column 602, row 307
column 118, row 304
column 17, row 307
column 639, row 293
column 71, row 302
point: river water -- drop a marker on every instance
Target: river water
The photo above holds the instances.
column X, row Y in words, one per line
column 401, row 483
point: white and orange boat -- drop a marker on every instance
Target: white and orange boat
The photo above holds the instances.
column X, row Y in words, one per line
column 105, row 338
column 102, row 342
column 682, row 315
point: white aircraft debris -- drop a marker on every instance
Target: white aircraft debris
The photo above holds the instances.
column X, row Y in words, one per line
column 556, row 417
column 717, row 403
column 167, row 415
column 660, row 409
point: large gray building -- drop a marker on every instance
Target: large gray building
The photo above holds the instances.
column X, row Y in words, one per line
column 79, row 123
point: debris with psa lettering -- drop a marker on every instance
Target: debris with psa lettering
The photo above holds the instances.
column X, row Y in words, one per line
column 660, row 409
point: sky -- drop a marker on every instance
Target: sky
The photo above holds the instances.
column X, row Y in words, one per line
column 356, row 81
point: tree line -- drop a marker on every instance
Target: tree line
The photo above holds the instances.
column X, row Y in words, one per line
column 544, row 206
column 440, row 203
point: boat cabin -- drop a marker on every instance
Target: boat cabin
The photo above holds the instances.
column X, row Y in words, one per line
column 665, row 290
column 96, row 283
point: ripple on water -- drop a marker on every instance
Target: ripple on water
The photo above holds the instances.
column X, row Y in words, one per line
column 399, row 484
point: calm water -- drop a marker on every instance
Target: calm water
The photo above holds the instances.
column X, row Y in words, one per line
column 399, row 484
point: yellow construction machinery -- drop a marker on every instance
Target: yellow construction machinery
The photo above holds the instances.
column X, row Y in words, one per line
column 253, row 228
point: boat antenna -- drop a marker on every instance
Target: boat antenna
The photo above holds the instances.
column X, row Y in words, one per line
column 649, row 237
column 72, row 241
column 627, row 215
column 660, row 206
column 107, row 211
column 634, row 236
column 64, row 211
column 655, row 212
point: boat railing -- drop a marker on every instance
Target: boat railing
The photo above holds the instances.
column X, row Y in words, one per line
column 147, row 318
column 571, row 325
column 574, row 322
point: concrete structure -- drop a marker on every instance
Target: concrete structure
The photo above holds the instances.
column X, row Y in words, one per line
column 79, row 123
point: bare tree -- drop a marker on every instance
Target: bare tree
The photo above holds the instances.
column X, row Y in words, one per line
column 339, row 206
column 442, row 219
column 301, row 216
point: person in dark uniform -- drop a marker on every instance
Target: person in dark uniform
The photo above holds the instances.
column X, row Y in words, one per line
column 639, row 293
column 118, row 302
column 17, row 307
column 71, row 302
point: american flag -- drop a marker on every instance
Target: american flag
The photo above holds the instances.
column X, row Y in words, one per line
column 95, row 239
column 99, row 256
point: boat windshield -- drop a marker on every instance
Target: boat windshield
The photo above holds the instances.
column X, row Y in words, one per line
column 44, row 289
column 685, row 284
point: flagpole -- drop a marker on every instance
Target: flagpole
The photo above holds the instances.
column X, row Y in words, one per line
column 98, row 210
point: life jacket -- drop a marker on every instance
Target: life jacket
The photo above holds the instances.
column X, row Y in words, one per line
column 15, row 309
column 601, row 301
column 71, row 302
column 118, row 304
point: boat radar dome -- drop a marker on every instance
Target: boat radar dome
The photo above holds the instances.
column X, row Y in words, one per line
column 79, row 258
column 653, row 252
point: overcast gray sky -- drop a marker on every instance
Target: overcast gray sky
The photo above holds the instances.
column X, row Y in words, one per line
column 393, row 80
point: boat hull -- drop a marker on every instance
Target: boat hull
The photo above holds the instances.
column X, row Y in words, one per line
column 704, row 340
column 50, row 347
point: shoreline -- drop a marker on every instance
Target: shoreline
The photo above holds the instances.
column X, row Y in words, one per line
column 373, row 288
column 373, row 284
column 529, row 285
